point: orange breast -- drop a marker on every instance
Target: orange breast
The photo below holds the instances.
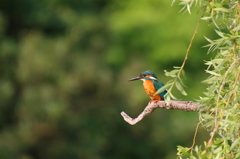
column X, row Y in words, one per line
column 150, row 90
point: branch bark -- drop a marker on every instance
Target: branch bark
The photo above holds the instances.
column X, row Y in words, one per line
column 181, row 105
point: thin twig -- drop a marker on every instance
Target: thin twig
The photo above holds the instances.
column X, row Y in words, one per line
column 187, row 51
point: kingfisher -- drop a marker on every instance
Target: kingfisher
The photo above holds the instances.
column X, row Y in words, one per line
column 151, row 84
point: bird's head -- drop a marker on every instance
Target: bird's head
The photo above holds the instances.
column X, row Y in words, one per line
column 145, row 75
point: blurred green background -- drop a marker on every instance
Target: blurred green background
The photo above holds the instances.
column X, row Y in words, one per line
column 64, row 66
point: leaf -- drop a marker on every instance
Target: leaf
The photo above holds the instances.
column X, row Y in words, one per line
column 217, row 61
column 184, row 2
column 208, row 63
column 173, row 2
column 235, row 143
column 219, row 33
column 218, row 141
column 218, row 150
column 183, row 74
column 181, row 82
column 163, row 88
column 180, row 88
column 188, row 8
column 221, row 9
column 209, row 40
column 215, row 23
column 211, row 80
column 237, row 28
column 167, row 98
column 213, row 73
column 176, row 67
column 237, row 155
column 172, row 73
column 171, row 95
column 183, row 151
column 207, row 116
column 205, row 18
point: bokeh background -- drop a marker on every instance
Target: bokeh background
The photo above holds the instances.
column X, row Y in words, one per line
column 64, row 66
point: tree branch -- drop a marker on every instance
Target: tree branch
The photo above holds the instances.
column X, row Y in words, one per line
column 181, row 105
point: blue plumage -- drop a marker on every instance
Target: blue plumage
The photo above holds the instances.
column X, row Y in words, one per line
column 158, row 85
column 151, row 85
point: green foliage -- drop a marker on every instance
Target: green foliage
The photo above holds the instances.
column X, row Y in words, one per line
column 178, row 75
column 222, row 95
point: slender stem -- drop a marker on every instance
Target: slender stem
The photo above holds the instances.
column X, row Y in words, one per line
column 187, row 52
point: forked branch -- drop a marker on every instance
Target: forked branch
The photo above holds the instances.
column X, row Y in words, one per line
column 174, row 104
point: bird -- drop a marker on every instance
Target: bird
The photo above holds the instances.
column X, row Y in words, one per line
column 151, row 84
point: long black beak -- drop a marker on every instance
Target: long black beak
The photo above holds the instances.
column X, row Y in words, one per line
column 135, row 78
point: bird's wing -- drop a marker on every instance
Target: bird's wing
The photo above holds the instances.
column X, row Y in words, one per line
column 158, row 85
